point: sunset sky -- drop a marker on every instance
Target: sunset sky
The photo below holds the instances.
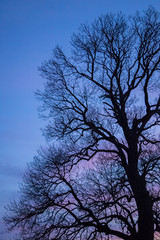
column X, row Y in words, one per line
column 29, row 31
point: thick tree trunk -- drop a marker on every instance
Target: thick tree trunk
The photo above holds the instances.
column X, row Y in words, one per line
column 145, row 221
column 142, row 198
column 144, row 206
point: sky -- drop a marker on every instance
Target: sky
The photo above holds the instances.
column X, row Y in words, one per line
column 30, row 29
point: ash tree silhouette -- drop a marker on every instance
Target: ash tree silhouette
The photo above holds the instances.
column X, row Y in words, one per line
column 99, row 178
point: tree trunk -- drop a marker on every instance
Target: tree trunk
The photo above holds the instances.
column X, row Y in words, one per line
column 145, row 221
column 144, row 206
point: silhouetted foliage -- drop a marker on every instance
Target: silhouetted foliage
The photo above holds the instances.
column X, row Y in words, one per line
column 100, row 176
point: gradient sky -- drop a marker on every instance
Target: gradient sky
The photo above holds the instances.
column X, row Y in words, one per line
column 29, row 31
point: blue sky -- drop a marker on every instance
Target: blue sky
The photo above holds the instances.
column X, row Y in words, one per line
column 29, row 31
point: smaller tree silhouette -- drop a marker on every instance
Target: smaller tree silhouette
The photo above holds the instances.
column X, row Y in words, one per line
column 101, row 177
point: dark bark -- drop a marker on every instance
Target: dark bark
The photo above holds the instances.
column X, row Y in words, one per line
column 144, row 206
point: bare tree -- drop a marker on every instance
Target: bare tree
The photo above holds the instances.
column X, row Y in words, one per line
column 104, row 107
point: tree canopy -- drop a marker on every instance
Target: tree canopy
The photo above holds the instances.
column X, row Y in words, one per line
column 100, row 175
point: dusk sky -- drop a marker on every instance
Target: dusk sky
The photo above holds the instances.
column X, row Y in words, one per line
column 29, row 30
